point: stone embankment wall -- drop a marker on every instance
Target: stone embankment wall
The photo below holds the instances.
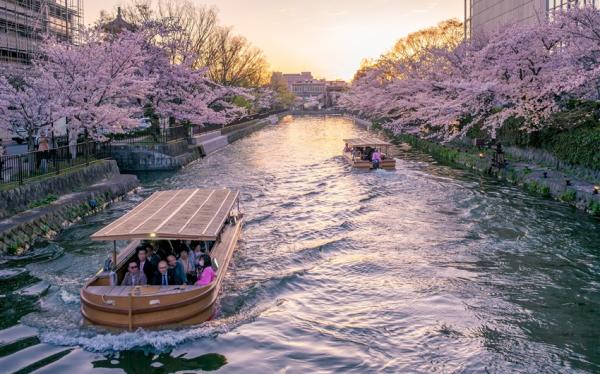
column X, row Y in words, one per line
column 248, row 128
column 547, row 159
column 19, row 198
column 154, row 157
column 213, row 141
column 21, row 230
column 538, row 179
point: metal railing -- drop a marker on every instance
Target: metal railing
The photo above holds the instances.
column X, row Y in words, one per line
column 20, row 168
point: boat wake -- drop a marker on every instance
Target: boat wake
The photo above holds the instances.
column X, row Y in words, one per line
column 98, row 340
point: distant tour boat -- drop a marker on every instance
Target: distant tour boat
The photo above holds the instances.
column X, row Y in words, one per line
column 209, row 215
column 358, row 152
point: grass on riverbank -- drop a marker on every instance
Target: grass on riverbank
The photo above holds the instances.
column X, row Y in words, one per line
column 43, row 202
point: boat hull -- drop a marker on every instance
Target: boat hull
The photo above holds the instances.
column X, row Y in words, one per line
column 387, row 164
column 154, row 306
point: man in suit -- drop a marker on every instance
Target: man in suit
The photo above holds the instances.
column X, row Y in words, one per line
column 163, row 277
column 176, row 268
column 134, row 277
column 144, row 263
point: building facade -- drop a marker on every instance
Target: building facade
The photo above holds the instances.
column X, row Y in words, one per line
column 23, row 24
column 486, row 17
column 292, row 78
column 310, row 92
column 309, row 88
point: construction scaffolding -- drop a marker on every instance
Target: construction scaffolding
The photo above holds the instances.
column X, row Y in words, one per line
column 24, row 24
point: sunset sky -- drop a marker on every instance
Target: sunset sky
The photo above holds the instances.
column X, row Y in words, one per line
column 329, row 38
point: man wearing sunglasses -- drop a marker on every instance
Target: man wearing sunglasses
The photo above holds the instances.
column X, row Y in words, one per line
column 134, row 277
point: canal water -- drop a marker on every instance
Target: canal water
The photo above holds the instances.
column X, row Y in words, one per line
column 422, row 269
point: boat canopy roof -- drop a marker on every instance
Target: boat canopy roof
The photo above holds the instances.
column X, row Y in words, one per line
column 366, row 142
column 192, row 214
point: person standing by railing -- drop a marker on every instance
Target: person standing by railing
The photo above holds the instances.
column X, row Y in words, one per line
column 43, row 153
column 73, row 143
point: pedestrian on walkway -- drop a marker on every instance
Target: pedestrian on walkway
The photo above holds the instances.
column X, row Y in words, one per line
column 73, row 143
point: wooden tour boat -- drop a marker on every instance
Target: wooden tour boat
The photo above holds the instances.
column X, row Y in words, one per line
column 356, row 150
column 210, row 215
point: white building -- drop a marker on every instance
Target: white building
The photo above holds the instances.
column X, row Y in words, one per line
column 485, row 17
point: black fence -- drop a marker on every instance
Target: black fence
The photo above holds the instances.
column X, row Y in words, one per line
column 20, row 168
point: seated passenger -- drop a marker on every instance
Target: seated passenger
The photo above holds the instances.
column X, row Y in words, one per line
column 206, row 274
column 163, row 277
column 134, row 277
column 152, row 256
column 347, row 148
column 144, row 264
column 164, row 249
column 176, row 269
column 358, row 152
column 376, row 159
column 196, row 253
column 189, row 267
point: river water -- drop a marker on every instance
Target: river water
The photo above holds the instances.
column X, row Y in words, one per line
column 422, row 269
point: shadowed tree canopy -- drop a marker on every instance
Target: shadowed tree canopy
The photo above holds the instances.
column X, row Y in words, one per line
column 196, row 34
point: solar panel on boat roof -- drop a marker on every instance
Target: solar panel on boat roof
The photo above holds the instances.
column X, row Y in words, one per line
column 176, row 214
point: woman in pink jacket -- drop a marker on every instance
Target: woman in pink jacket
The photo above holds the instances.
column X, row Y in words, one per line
column 206, row 274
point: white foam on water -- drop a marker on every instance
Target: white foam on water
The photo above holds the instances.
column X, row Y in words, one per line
column 95, row 340
column 68, row 298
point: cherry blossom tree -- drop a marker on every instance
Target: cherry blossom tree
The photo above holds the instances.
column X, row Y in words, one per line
column 441, row 88
column 100, row 81
column 30, row 106
column 265, row 99
column 183, row 92
column 102, row 84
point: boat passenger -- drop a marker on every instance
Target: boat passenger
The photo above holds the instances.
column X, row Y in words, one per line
column 163, row 277
column 144, row 264
column 176, row 269
column 376, row 159
column 189, row 267
column 347, row 148
column 134, row 277
column 196, row 253
column 151, row 255
column 358, row 152
column 164, row 249
column 206, row 274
